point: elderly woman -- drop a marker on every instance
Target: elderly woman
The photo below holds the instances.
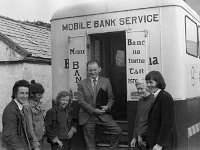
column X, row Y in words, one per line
column 161, row 118
column 61, row 123
column 141, row 118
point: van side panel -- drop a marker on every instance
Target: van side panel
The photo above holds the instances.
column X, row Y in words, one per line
column 166, row 53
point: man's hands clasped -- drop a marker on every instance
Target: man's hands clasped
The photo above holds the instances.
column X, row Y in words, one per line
column 101, row 111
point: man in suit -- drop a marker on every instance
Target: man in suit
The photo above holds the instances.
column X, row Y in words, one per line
column 14, row 125
column 89, row 114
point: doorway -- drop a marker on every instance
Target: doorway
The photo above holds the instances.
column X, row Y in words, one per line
column 110, row 50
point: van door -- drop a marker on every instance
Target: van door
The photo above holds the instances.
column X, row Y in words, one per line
column 110, row 50
column 118, row 74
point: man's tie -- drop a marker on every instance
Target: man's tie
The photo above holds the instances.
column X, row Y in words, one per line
column 94, row 91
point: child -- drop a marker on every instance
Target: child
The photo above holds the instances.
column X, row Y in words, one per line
column 61, row 123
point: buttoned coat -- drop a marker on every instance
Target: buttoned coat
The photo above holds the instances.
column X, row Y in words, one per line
column 14, row 133
column 86, row 102
column 53, row 120
column 161, row 121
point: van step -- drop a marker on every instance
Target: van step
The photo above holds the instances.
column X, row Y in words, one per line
column 105, row 146
column 122, row 124
column 123, row 138
column 104, row 137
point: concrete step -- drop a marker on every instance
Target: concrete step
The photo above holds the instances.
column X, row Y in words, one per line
column 105, row 146
column 106, row 136
column 123, row 125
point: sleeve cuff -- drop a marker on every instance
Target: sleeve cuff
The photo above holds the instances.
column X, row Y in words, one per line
column 54, row 140
column 35, row 144
column 157, row 147
column 73, row 129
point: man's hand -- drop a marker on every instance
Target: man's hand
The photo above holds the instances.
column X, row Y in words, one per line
column 70, row 134
column 104, row 108
column 157, row 147
column 60, row 144
column 99, row 111
column 140, row 142
column 133, row 142
column 36, row 148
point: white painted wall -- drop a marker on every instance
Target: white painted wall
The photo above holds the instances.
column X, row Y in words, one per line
column 41, row 74
column 10, row 73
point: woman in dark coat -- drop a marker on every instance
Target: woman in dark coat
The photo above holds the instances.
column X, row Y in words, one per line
column 161, row 117
column 61, row 123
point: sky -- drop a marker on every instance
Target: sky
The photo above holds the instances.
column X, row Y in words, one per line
column 32, row 10
column 42, row 10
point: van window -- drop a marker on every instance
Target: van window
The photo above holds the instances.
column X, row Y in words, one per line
column 191, row 37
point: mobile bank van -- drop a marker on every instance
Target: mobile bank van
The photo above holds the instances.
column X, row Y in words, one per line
column 129, row 38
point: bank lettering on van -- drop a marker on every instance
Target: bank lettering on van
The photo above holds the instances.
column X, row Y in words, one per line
column 76, row 71
column 111, row 22
column 75, row 67
column 76, row 51
column 75, row 64
column 135, row 52
column 136, row 56
column 136, row 59
column 133, row 42
column 76, row 61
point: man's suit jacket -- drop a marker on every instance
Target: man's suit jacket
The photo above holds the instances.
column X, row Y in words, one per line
column 161, row 121
column 14, row 128
column 85, row 98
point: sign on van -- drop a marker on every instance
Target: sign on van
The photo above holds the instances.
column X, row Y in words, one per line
column 136, row 58
column 111, row 22
column 77, row 61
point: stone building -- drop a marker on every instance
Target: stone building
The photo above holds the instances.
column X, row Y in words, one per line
column 25, row 53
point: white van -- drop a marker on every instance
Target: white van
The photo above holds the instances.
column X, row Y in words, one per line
column 129, row 38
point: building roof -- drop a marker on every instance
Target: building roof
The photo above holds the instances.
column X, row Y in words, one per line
column 26, row 39
column 108, row 6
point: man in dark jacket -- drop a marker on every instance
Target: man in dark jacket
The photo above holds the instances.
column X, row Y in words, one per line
column 14, row 125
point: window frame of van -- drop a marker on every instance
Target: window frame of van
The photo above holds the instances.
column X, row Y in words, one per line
column 187, row 18
column 198, row 37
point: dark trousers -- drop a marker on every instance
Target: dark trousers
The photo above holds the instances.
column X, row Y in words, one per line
column 66, row 145
column 111, row 126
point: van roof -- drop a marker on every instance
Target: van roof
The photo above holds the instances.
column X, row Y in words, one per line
column 106, row 6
